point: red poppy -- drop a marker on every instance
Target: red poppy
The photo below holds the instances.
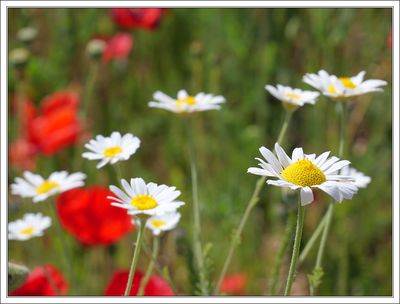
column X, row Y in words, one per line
column 23, row 154
column 88, row 215
column 389, row 40
column 119, row 46
column 234, row 284
column 58, row 126
column 147, row 18
column 44, row 280
column 156, row 286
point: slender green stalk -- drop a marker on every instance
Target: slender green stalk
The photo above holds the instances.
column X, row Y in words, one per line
column 296, row 248
column 89, row 87
column 197, row 246
column 279, row 257
column 238, row 232
column 313, row 239
column 329, row 212
column 163, row 272
column 250, row 205
column 342, row 118
column 20, row 95
column 288, row 116
column 324, row 236
column 118, row 172
column 156, row 247
column 64, row 247
column 135, row 257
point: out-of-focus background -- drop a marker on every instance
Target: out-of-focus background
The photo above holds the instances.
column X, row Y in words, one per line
column 229, row 52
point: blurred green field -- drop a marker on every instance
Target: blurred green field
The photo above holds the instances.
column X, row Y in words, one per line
column 234, row 53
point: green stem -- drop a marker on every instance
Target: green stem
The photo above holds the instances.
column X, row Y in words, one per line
column 20, row 96
column 64, row 247
column 288, row 116
column 238, row 232
column 156, row 247
column 279, row 257
column 329, row 212
column 118, row 172
column 89, row 88
column 135, row 257
column 313, row 239
column 342, row 117
column 250, row 205
column 163, row 272
column 324, row 236
column 197, row 246
column 296, row 248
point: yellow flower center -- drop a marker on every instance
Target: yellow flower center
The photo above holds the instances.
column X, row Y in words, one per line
column 46, row 186
column 112, row 151
column 303, row 173
column 292, row 95
column 347, row 82
column 28, row 231
column 190, row 100
column 144, row 202
column 332, row 89
column 158, row 223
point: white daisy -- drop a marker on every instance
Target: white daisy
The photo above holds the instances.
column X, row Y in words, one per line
column 306, row 171
column 139, row 198
column 165, row 222
column 111, row 149
column 38, row 188
column 343, row 87
column 292, row 98
column 185, row 103
column 31, row 225
column 360, row 179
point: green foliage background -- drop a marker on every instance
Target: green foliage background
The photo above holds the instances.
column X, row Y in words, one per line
column 232, row 52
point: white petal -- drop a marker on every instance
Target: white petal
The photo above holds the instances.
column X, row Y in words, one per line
column 306, row 196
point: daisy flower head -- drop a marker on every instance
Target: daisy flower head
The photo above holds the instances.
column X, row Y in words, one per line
column 31, row 225
column 342, row 88
column 291, row 98
column 304, row 172
column 111, row 149
column 165, row 222
column 149, row 199
column 360, row 179
column 185, row 103
column 36, row 187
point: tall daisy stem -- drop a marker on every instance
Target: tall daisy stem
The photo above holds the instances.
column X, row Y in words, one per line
column 135, row 257
column 288, row 116
column 296, row 248
column 281, row 253
column 156, row 247
column 329, row 212
column 313, row 239
column 197, row 246
column 250, row 205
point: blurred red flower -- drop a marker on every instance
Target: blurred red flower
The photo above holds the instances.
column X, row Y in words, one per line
column 88, row 215
column 58, row 125
column 119, row 46
column 147, row 18
column 23, row 154
column 44, row 280
column 234, row 284
column 156, row 286
column 389, row 40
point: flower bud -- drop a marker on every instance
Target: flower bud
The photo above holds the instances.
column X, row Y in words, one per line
column 19, row 57
column 27, row 34
column 95, row 48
